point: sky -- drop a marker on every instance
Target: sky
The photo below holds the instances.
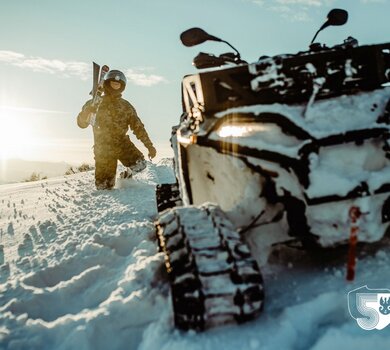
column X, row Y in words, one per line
column 47, row 48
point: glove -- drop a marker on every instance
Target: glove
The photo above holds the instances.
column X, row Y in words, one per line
column 90, row 109
column 90, row 114
column 152, row 151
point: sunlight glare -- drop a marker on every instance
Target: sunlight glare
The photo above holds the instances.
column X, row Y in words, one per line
column 16, row 134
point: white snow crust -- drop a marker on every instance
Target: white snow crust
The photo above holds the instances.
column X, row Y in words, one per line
column 80, row 269
column 330, row 116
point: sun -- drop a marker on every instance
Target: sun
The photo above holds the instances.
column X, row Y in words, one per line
column 16, row 134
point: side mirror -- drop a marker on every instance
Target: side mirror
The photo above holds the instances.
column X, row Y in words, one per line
column 196, row 36
column 336, row 17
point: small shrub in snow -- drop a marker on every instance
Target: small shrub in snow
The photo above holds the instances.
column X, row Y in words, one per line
column 35, row 177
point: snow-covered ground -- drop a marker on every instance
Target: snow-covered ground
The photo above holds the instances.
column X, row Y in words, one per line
column 79, row 269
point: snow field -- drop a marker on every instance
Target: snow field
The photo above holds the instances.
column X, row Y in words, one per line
column 76, row 263
column 79, row 269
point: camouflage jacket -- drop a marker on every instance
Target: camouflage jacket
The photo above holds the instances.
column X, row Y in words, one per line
column 113, row 119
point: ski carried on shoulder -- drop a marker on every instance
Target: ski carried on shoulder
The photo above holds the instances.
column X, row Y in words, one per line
column 97, row 90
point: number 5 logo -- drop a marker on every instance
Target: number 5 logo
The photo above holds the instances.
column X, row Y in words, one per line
column 367, row 307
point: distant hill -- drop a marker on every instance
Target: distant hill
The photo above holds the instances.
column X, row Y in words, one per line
column 16, row 170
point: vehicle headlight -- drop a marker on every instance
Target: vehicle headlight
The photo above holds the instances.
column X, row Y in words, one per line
column 239, row 130
column 255, row 133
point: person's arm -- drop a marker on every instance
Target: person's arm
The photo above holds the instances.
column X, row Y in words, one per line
column 139, row 131
column 83, row 117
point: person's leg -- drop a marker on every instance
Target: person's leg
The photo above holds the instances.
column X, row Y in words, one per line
column 132, row 158
column 105, row 171
column 130, row 154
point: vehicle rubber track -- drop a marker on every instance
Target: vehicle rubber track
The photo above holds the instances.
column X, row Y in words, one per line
column 214, row 279
column 168, row 196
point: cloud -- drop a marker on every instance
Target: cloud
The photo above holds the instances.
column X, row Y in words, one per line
column 137, row 77
column 10, row 56
column 298, row 10
column 29, row 110
column 293, row 10
column 374, row 1
column 39, row 64
column 301, row 2
column 67, row 69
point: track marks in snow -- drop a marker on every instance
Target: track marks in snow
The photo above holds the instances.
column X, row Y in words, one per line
column 69, row 287
column 62, row 272
column 69, row 297
column 126, row 238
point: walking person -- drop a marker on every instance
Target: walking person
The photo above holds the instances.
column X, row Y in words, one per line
column 111, row 143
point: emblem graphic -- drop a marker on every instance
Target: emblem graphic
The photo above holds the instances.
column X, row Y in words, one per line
column 370, row 307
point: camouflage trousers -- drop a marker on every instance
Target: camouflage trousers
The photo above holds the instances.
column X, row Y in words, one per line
column 106, row 161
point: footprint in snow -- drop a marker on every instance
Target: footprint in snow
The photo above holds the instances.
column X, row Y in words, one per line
column 37, row 239
column 4, row 273
column 60, row 219
column 10, row 229
column 27, row 247
column 48, row 230
column 1, row 254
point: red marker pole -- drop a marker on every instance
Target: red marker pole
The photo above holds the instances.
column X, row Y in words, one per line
column 354, row 216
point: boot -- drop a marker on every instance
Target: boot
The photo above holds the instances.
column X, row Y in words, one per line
column 126, row 174
column 138, row 166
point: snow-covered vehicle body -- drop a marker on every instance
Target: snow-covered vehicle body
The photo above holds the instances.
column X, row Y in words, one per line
column 305, row 135
column 287, row 148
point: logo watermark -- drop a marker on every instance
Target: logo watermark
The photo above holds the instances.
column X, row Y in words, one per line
column 370, row 307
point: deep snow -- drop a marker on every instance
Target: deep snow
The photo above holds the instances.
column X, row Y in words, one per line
column 79, row 269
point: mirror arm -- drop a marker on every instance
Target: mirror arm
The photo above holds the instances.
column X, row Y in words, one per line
column 238, row 54
column 214, row 38
column 326, row 24
column 315, row 36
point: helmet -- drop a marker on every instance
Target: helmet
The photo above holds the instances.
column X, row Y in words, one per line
column 114, row 75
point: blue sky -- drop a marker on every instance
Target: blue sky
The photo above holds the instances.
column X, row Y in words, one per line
column 47, row 48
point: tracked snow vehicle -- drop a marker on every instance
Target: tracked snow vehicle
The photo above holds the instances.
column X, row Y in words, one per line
column 284, row 148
